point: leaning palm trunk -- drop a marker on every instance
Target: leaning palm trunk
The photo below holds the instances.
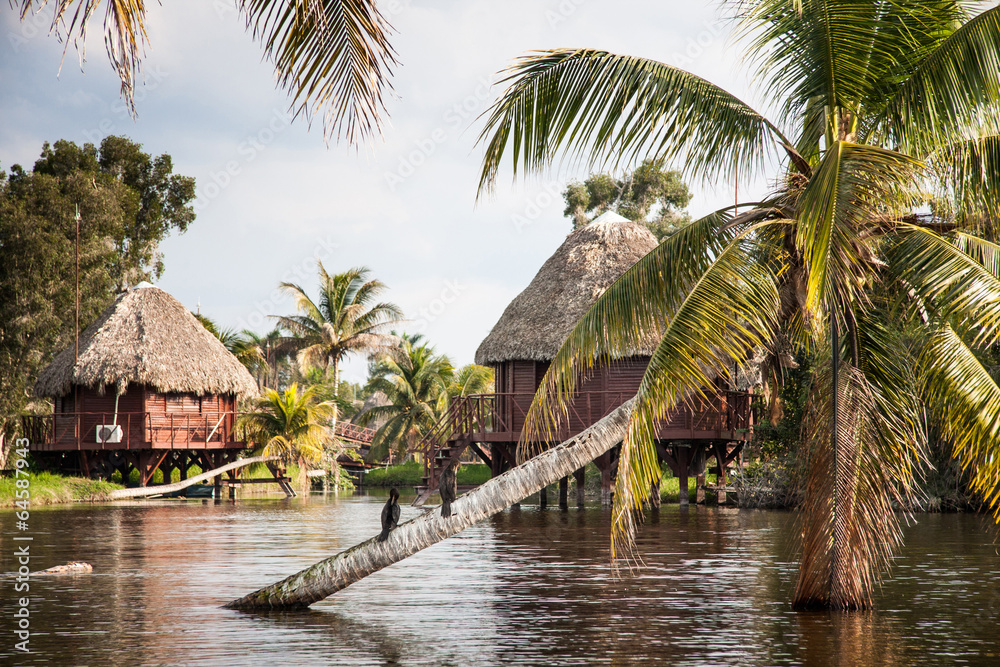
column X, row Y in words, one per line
column 333, row 574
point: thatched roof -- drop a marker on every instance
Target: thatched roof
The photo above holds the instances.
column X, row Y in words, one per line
column 147, row 337
column 538, row 320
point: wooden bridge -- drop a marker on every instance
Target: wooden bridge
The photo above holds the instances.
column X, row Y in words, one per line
column 490, row 426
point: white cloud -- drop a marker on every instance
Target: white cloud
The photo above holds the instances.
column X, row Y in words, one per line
column 209, row 94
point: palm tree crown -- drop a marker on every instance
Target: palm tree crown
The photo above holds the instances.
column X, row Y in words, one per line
column 346, row 319
column 874, row 250
column 289, row 424
column 416, row 384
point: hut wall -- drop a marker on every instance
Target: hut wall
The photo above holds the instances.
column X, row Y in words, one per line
column 600, row 393
column 99, row 409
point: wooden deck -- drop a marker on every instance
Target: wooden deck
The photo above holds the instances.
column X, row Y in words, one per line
column 108, row 431
column 491, row 425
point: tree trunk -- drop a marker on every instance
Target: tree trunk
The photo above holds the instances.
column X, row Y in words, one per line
column 335, row 468
column 333, row 574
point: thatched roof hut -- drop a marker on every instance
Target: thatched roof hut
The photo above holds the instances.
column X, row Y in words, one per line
column 147, row 337
column 537, row 321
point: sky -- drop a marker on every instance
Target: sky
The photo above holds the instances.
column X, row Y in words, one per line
column 274, row 198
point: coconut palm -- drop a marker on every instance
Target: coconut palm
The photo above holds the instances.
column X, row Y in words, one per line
column 290, row 424
column 882, row 108
column 471, row 379
column 415, row 383
column 346, row 320
column 347, row 567
column 332, row 56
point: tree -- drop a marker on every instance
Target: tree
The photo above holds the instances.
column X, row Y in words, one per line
column 416, row 384
column 333, row 57
column 471, row 379
column 347, row 320
column 650, row 195
column 336, row 573
column 127, row 202
column 289, row 424
column 883, row 106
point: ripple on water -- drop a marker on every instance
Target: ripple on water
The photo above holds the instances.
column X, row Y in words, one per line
column 527, row 587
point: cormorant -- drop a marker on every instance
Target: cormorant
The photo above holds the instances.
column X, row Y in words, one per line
column 448, row 487
column 390, row 514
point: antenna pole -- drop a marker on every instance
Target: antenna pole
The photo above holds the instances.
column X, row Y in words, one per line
column 76, row 357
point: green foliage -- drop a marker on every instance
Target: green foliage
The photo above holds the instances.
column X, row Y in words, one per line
column 471, row 379
column 782, row 438
column 411, row 473
column 47, row 488
column 348, row 319
column 128, row 202
column 650, row 195
column 415, row 380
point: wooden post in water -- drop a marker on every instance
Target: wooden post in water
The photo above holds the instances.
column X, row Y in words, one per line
column 564, row 493
column 683, row 455
column 580, row 477
column 543, row 497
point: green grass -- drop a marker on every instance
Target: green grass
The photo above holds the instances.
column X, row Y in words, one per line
column 47, row 488
column 411, row 473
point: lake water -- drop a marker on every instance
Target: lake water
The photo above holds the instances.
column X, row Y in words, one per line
column 530, row 587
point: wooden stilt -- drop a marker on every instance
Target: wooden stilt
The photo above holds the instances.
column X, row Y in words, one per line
column 699, row 490
column 580, row 477
column 654, row 495
column 564, row 493
column 683, row 456
column 543, row 498
column 604, row 465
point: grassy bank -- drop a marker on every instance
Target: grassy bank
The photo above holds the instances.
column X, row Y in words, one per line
column 46, row 488
column 411, row 474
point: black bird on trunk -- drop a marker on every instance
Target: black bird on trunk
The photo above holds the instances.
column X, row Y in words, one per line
column 448, row 487
column 390, row 514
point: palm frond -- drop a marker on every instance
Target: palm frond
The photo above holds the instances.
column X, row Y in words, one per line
column 604, row 107
column 951, row 92
column 332, row 56
column 853, row 185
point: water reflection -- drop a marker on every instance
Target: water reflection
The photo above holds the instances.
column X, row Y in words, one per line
column 527, row 587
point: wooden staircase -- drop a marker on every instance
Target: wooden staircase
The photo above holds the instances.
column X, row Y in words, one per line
column 450, row 438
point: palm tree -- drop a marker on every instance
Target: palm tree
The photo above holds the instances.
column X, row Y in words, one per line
column 337, row 572
column 332, row 57
column 883, row 107
column 289, row 424
column 471, row 379
column 416, row 384
column 347, row 320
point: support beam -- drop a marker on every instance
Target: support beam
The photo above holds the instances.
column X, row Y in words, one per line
column 683, row 456
column 543, row 497
column 563, row 493
column 580, row 477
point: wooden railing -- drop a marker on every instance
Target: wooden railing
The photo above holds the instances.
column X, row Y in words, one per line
column 723, row 415
column 355, row 433
column 137, row 430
